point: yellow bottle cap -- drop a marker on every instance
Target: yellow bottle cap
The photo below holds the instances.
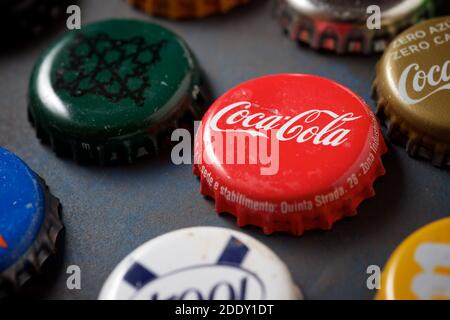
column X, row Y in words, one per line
column 420, row 267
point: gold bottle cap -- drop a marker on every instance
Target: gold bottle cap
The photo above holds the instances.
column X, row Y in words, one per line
column 185, row 9
column 412, row 88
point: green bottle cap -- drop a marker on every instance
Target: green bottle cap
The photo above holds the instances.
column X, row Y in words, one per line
column 114, row 90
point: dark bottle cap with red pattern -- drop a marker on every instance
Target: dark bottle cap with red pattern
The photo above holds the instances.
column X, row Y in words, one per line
column 350, row 26
column 289, row 152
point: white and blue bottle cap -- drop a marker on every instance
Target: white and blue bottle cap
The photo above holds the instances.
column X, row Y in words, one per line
column 201, row 263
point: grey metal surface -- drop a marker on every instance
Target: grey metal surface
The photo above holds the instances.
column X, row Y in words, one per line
column 110, row 211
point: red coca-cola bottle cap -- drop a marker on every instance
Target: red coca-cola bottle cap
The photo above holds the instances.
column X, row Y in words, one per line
column 289, row 152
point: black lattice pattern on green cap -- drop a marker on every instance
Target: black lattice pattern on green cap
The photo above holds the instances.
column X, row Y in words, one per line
column 116, row 69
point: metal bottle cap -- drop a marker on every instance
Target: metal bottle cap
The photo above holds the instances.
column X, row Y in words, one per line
column 201, row 263
column 29, row 222
column 326, row 148
column 114, row 90
column 412, row 89
column 341, row 25
column 418, row 268
column 185, row 9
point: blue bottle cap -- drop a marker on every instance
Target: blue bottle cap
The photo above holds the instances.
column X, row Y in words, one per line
column 29, row 222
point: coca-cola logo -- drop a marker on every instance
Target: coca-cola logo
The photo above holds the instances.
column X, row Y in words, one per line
column 205, row 282
column 321, row 127
column 421, row 82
